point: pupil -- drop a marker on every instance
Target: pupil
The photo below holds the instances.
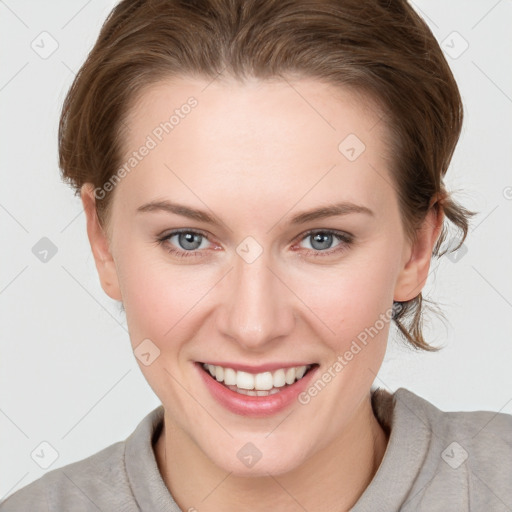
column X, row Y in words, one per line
column 187, row 241
column 322, row 238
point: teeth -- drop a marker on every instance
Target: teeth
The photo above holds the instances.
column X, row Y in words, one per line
column 251, row 392
column 259, row 384
column 244, row 380
column 279, row 378
column 290, row 376
column 263, row 381
column 299, row 372
column 229, row 377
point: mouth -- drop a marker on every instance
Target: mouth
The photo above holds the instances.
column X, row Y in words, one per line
column 257, row 384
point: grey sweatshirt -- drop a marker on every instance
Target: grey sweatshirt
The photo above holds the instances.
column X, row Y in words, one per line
column 434, row 461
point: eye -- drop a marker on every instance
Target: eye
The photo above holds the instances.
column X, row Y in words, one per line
column 321, row 241
column 187, row 243
column 190, row 243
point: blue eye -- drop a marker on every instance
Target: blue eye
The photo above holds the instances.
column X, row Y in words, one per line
column 322, row 240
column 189, row 242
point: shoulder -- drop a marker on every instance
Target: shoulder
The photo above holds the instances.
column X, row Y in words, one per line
column 80, row 486
column 468, row 456
column 107, row 480
column 482, row 432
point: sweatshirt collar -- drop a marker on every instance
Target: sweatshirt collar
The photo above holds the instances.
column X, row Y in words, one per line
column 148, row 487
column 398, row 414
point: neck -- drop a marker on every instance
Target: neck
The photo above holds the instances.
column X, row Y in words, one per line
column 331, row 480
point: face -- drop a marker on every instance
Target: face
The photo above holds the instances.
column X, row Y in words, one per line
column 253, row 283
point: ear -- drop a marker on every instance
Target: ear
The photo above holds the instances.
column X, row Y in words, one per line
column 100, row 245
column 417, row 256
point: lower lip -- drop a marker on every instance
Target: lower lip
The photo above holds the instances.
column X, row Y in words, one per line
column 246, row 405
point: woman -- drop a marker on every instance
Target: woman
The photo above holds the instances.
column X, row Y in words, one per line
column 263, row 185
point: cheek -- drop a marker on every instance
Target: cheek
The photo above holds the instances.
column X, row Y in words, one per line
column 159, row 299
column 156, row 295
column 351, row 298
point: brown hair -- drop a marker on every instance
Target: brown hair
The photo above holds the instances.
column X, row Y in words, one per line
column 379, row 47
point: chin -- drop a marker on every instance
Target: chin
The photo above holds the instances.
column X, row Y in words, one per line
column 258, row 457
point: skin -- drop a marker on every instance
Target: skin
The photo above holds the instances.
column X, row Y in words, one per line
column 253, row 155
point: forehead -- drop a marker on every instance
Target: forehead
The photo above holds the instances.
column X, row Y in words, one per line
column 263, row 140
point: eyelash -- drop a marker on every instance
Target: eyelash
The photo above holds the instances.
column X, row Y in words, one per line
column 345, row 239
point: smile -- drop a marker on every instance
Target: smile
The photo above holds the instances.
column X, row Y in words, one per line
column 257, row 384
column 255, row 391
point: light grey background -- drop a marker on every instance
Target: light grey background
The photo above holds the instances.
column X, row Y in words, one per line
column 67, row 373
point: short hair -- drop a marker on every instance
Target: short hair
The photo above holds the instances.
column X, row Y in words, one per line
column 380, row 48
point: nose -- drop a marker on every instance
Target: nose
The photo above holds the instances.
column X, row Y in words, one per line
column 257, row 306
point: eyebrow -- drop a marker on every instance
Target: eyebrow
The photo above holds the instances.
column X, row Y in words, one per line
column 338, row 209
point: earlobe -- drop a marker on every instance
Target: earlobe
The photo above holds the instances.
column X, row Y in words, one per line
column 414, row 273
column 100, row 245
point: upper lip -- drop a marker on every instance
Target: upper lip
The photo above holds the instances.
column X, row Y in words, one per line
column 260, row 368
